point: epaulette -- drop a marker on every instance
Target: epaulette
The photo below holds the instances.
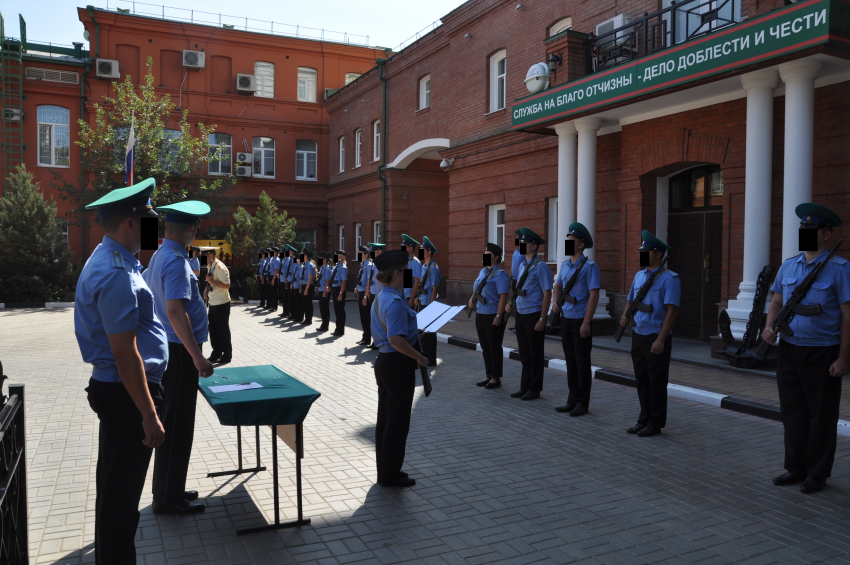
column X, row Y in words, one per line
column 177, row 252
column 117, row 260
column 672, row 274
column 839, row 260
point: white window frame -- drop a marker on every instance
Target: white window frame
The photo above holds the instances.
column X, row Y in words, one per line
column 376, row 231
column 304, row 155
column 264, row 73
column 376, row 140
column 263, row 153
column 308, row 79
column 51, row 129
column 342, row 154
column 351, row 77
column 498, row 80
column 425, row 92
column 493, row 226
column 552, row 241
column 358, row 236
column 358, row 135
column 561, row 26
column 214, row 149
column 342, row 237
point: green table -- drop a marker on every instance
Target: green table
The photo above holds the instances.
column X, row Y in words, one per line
column 283, row 400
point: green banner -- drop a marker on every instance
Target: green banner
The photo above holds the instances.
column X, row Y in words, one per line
column 775, row 34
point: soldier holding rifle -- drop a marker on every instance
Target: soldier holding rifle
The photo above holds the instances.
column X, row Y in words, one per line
column 653, row 304
column 517, row 261
column 576, row 295
column 814, row 352
column 489, row 301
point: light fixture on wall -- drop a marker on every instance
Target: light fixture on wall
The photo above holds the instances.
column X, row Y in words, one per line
column 555, row 61
column 520, row 6
column 446, row 163
column 467, row 36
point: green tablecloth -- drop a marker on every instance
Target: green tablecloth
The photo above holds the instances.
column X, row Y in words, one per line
column 283, row 399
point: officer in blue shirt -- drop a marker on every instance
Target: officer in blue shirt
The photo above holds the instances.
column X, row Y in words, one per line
column 491, row 296
column 288, row 277
column 652, row 336
column 194, row 262
column 410, row 245
column 297, row 300
column 429, row 285
column 120, row 334
column 517, row 260
column 577, row 318
column 395, row 330
column 336, row 290
column 261, row 277
column 534, row 292
column 281, row 281
column 308, row 284
column 324, row 275
column 274, row 275
column 816, row 355
column 363, row 304
column 374, row 286
column 176, row 296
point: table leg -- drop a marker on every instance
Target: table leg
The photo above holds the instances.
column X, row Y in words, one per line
column 241, row 469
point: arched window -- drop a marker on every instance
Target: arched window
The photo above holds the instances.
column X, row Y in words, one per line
column 54, row 136
column 425, row 92
column 498, row 75
column 264, row 157
column 305, row 159
column 561, row 26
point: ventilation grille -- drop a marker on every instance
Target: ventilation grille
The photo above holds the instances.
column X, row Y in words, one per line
column 52, row 75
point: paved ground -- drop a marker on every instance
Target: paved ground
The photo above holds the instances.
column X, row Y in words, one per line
column 499, row 480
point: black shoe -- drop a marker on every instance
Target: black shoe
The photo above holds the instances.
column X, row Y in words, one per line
column 789, row 478
column 484, row 382
column 182, row 507
column 530, row 396
column 321, row 330
column 373, row 347
column 636, row 428
column 580, row 410
column 519, row 394
column 565, row 408
column 812, row 485
column 214, row 357
column 401, row 481
column 649, row 431
column 190, row 495
column 224, row 360
column 306, row 323
column 495, row 383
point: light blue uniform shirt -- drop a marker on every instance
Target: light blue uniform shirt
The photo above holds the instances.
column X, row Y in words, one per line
column 391, row 307
column 666, row 289
column 284, row 263
column 539, row 280
column 324, row 274
column 363, row 279
column 112, row 297
column 830, row 290
column 291, row 267
column 517, row 262
column 261, row 267
column 374, row 286
column 498, row 284
column 587, row 280
column 195, row 264
column 296, row 275
column 274, row 263
column 308, row 269
column 170, row 278
column 433, row 280
column 416, row 266
column 340, row 275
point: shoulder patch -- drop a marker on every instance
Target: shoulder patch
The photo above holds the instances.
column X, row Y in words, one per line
column 672, row 274
column 177, row 252
column 117, row 260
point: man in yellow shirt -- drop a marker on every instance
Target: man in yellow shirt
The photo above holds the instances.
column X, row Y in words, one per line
column 218, row 294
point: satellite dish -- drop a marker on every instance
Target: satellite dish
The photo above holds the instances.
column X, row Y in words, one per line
column 86, row 34
column 537, row 78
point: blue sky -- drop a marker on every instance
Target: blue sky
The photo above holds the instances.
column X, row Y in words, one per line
column 387, row 23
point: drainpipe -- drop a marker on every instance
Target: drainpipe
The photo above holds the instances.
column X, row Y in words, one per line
column 91, row 10
column 382, row 166
column 82, row 171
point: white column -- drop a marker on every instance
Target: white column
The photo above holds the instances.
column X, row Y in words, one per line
column 586, row 191
column 757, row 191
column 799, row 77
column 662, row 195
column 566, row 184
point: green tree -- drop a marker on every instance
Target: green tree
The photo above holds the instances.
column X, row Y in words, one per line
column 177, row 159
column 36, row 260
column 248, row 234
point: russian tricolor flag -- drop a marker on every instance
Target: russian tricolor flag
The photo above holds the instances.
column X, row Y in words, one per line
column 130, row 155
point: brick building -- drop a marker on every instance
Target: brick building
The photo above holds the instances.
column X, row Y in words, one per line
column 281, row 125
column 705, row 122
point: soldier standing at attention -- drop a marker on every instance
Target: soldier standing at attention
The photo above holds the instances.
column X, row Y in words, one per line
column 308, row 281
column 409, row 244
column 339, row 278
column 577, row 319
column 813, row 359
column 290, row 277
column 517, row 260
column 374, row 286
column 260, row 268
column 281, row 281
column 363, row 278
column 323, row 276
column 652, row 336
column 297, row 301
column 428, row 289
column 274, row 275
column 176, row 295
column 488, row 314
column 119, row 333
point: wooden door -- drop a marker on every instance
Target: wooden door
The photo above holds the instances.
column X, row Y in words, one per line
column 685, row 236
column 713, row 261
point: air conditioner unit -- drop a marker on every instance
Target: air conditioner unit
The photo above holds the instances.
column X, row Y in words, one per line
column 12, row 114
column 193, row 59
column 246, row 83
column 107, row 68
column 244, row 171
column 610, row 25
column 245, row 158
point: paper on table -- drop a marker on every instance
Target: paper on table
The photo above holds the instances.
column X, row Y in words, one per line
column 430, row 313
column 234, row 388
column 444, row 318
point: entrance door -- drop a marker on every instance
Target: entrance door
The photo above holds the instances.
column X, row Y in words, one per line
column 694, row 228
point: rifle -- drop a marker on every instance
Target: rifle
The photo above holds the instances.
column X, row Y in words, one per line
column 516, row 289
column 630, row 313
column 555, row 317
column 476, row 297
column 422, row 282
column 793, row 306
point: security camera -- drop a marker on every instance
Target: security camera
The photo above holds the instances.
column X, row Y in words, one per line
column 446, row 163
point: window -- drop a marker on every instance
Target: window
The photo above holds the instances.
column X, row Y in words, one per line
column 306, row 84
column 221, row 148
column 265, row 79
column 351, row 77
column 358, row 236
column 52, row 75
column 341, row 237
column 497, row 225
column 376, row 232
column 357, row 138
column 498, row 71
column 341, row 154
column 425, row 92
column 689, row 16
column 696, row 188
column 561, row 26
column 169, row 149
column 54, row 136
column 305, row 159
column 264, row 157
column 305, row 237
column 376, row 137
column 552, row 246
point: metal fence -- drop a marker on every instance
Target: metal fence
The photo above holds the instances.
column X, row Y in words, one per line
column 13, row 478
